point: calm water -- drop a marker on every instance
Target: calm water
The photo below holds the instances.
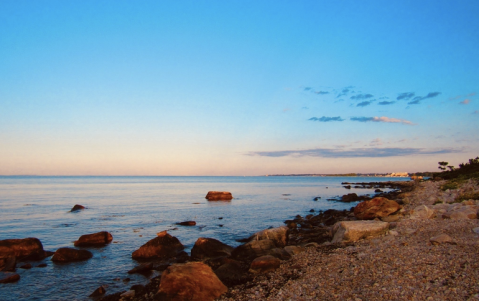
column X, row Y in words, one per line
column 134, row 209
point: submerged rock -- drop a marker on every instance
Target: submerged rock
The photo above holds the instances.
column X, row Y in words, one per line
column 209, row 248
column 70, row 255
column 350, row 231
column 7, row 277
column 95, row 239
column 98, row 292
column 187, row 223
column 23, row 249
column 161, row 247
column 194, row 281
column 219, row 196
column 375, row 208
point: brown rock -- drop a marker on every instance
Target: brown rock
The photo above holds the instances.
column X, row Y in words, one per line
column 8, row 264
column 441, row 239
column 70, row 255
column 23, row 249
column 209, row 248
column 253, row 249
column 466, row 212
column 264, row 264
column 187, row 223
column 350, row 197
column 423, row 212
column 77, row 207
column 161, row 247
column 95, row 239
column 279, row 236
column 98, row 292
column 7, row 277
column 193, row 281
column 375, row 208
column 141, row 269
column 219, row 196
column 26, row 266
column 232, row 273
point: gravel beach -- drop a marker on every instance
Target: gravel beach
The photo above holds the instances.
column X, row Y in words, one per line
column 404, row 264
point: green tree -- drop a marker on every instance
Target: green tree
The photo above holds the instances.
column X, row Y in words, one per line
column 442, row 165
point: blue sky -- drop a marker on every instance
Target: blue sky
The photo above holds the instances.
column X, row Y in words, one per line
column 237, row 87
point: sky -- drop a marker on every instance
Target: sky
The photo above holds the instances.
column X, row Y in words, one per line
column 237, row 87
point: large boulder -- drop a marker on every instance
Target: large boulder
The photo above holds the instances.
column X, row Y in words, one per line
column 95, row 239
column 279, row 236
column 423, row 212
column 219, row 196
column 264, row 264
column 232, row 273
column 193, row 281
column 8, row 264
column 70, row 255
column 7, row 277
column 253, row 249
column 349, row 231
column 23, row 249
column 376, row 208
column 205, row 248
column 163, row 246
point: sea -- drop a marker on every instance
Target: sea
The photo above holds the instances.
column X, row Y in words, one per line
column 134, row 209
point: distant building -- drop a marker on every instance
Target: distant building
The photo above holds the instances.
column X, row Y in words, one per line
column 398, row 174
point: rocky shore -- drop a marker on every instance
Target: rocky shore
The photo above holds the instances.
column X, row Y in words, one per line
column 415, row 242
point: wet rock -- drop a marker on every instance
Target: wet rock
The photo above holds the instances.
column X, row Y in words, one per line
column 8, row 264
column 209, row 248
column 350, row 197
column 42, row 265
column 23, row 249
column 312, row 210
column 441, row 239
column 317, row 198
column 219, row 196
column 350, row 231
column 77, row 207
column 378, row 190
column 128, row 294
column 137, row 288
column 26, row 266
column 347, row 186
column 375, row 208
column 264, row 264
column 7, row 277
column 95, row 239
column 98, row 292
column 70, row 255
column 141, row 269
column 232, row 273
column 161, row 247
column 423, row 212
column 193, row 281
column 187, row 223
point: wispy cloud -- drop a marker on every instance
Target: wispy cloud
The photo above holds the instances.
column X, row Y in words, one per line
column 361, row 96
column 475, row 112
column 307, row 88
column 345, row 91
column 381, row 119
column 321, row 92
column 416, row 100
column 326, row 119
column 364, row 104
column 355, row 152
column 376, row 142
column 465, row 102
column 405, row 95
column 385, row 103
column 471, row 94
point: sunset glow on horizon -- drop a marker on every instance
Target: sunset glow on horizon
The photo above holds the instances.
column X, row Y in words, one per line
column 237, row 87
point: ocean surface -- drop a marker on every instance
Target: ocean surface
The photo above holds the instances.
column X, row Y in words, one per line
column 133, row 210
